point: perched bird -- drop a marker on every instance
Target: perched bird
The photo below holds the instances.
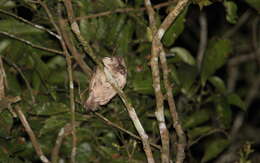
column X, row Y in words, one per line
column 101, row 91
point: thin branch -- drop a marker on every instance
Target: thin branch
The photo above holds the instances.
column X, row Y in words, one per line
column 243, row 19
column 242, row 58
column 64, row 131
column 30, row 23
column 31, row 134
column 159, row 113
column 87, row 48
column 71, row 86
column 69, row 69
column 24, row 78
column 238, row 122
column 232, row 77
column 78, row 57
column 124, row 10
column 233, row 71
column 205, row 135
column 203, row 39
column 30, row 43
column 108, row 122
column 3, row 82
column 155, row 51
column 255, row 42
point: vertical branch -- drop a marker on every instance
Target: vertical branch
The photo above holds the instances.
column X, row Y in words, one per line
column 78, row 57
column 72, row 103
column 32, row 136
column 69, row 69
column 156, row 41
column 2, row 79
column 64, row 131
column 159, row 113
column 27, row 83
column 131, row 111
column 156, row 49
column 203, row 39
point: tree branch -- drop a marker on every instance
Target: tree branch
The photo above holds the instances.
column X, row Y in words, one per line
column 87, row 48
column 31, row 134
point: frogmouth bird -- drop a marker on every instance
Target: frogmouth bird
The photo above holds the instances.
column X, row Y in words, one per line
column 100, row 90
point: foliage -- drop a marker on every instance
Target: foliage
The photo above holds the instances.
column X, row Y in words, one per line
column 206, row 104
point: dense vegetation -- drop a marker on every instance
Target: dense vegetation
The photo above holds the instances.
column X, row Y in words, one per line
column 213, row 57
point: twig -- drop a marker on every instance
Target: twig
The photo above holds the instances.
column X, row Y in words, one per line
column 69, row 43
column 3, row 81
column 242, row 58
column 238, row 122
column 130, row 108
column 255, row 41
column 78, row 57
column 124, row 10
column 205, row 135
column 108, row 122
column 159, row 113
column 30, row 43
column 30, row 23
column 29, row 131
column 203, row 39
column 155, row 51
column 69, row 68
column 253, row 91
column 232, row 69
column 24, row 78
column 71, row 84
column 243, row 19
column 64, row 131
column 232, row 77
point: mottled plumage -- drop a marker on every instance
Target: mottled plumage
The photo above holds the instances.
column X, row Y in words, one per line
column 101, row 91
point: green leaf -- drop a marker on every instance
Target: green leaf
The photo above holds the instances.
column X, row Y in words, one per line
column 224, row 114
column 8, row 158
column 3, row 45
column 218, row 83
column 124, row 38
column 112, row 4
column 254, row 4
column 7, row 4
column 196, row 118
column 6, row 123
column 88, row 28
column 102, row 29
column 143, row 83
column 215, row 57
column 41, row 67
column 36, row 81
column 14, row 87
column 50, row 108
column 56, row 62
column 53, row 124
column 231, row 11
column 16, row 27
column 187, row 76
column 174, row 30
column 183, row 54
column 84, row 151
column 234, row 99
column 116, row 28
column 214, row 148
column 58, row 77
column 202, row 3
column 199, row 131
